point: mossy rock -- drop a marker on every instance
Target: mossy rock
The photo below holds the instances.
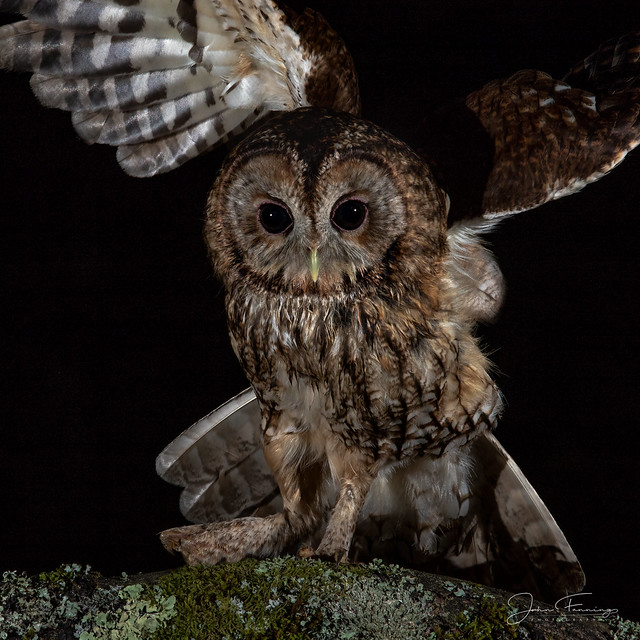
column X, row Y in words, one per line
column 286, row 598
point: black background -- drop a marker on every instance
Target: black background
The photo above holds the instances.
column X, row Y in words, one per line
column 115, row 338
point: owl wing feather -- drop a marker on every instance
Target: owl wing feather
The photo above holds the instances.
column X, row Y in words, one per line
column 550, row 139
column 220, row 463
column 163, row 80
column 508, row 538
column 517, row 143
column 613, row 68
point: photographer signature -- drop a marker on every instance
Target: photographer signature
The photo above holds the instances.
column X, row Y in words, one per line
column 570, row 603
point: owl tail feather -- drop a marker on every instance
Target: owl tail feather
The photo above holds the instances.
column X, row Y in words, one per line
column 509, row 538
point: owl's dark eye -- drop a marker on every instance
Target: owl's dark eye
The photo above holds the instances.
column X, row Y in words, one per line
column 274, row 218
column 349, row 215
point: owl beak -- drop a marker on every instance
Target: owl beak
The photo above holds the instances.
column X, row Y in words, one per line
column 314, row 263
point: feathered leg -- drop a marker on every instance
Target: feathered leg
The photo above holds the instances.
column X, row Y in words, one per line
column 355, row 482
column 300, row 485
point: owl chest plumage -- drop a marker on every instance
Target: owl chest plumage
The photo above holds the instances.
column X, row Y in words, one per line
column 387, row 381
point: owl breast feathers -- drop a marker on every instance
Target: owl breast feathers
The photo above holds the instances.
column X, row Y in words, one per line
column 353, row 268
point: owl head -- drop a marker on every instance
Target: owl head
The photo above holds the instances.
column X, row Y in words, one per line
column 321, row 203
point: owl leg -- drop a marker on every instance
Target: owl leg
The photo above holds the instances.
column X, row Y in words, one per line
column 300, row 485
column 301, row 479
column 355, row 484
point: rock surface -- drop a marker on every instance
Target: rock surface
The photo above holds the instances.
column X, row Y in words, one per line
column 284, row 598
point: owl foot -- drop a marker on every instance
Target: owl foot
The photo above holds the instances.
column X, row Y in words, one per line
column 316, row 554
column 337, row 553
column 336, row 542
column 210, row 544
column 202, row 544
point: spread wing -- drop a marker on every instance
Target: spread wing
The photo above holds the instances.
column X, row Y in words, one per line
column 220, row 463
column 518, row 143
column 508, row 538
column 493, row 528
column 166, row 80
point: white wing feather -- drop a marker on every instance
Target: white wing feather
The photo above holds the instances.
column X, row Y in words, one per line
column 220, row 463
column 162, row 80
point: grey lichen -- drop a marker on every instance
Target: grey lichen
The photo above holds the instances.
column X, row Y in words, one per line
column 399, row 605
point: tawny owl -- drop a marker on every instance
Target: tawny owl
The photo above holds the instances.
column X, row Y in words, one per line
column 354, row 273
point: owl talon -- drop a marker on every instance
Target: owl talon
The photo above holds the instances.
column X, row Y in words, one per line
column 193, row 542
column 339, row 556
column 170, row 540
column 309, row 553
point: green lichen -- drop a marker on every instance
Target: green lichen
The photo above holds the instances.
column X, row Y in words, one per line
column 68, row 601
column 144, row 611
column 489, row 622
column 623, row 629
